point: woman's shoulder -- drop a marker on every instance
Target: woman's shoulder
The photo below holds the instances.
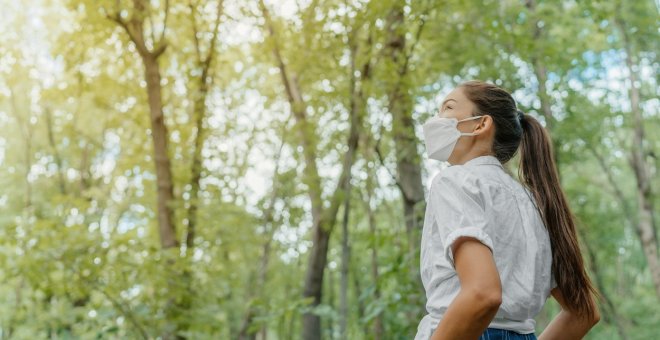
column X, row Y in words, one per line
column 455, row 173
column 455, row 177
column 476, row 180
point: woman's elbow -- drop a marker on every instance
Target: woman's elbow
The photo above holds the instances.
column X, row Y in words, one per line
column 488, row 299
column 593, row 316
column 588, row 320
column 596, row 317
column 493, row 301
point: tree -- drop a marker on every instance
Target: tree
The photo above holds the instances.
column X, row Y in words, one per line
column 150, row 46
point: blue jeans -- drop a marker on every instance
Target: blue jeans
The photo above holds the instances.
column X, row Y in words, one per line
column 503, row 334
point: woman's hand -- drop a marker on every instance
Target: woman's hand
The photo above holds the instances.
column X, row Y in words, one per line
column 479, row 299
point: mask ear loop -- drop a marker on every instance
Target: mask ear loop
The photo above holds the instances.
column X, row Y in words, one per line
column 469, row 133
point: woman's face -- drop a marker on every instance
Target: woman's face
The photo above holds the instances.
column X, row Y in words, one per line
column 457, row 105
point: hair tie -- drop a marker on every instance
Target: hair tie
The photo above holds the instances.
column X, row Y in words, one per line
column 521, row 115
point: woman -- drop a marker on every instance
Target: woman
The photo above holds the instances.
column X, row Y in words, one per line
column 494, row 249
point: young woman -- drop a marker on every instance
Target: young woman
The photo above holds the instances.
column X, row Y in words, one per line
column 493, row 249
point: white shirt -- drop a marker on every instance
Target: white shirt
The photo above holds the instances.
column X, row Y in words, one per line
column 479, row 199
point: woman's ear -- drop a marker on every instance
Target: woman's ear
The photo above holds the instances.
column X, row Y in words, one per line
column 484, row 124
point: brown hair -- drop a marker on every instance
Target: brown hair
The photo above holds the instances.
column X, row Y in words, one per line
column 515, row 130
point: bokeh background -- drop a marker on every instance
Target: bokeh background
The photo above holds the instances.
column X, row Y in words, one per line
column 209, row 169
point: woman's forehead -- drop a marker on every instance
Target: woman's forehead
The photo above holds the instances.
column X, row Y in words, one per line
column 455, row 94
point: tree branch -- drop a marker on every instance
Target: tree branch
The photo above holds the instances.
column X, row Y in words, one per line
column 193, row 20
column 167, row 12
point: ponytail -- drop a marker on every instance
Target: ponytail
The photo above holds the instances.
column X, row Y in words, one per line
column 538, row 172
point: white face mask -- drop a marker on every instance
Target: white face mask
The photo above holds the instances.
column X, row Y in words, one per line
column 441, row 135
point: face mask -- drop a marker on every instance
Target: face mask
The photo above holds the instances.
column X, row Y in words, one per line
column 441, row 135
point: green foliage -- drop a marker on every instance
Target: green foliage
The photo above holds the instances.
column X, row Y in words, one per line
column 80, row 256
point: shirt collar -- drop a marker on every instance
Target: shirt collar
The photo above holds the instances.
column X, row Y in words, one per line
column 484, row 160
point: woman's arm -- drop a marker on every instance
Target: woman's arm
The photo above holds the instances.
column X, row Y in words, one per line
column 475, row 306
column 567, row 325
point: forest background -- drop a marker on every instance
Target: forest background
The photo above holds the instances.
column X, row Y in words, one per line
column 210, row 169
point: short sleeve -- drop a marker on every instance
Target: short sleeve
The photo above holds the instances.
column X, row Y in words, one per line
column 459, row 209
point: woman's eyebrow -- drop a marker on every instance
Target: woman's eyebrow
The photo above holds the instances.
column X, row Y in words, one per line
column 445, row 102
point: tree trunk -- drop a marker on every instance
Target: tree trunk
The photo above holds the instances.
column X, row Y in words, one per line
column 323, row 219
column 646, row 220
column 378, row 321
column 345, row 259
column 159, row 135
column 199, row 113
column 134, row 27
column 199, row 108
column 265, row 255
column 56, row 154
column 408, row 160
column 400, row 105
column 357, row 110
column 541, row 74
column 358, row 291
